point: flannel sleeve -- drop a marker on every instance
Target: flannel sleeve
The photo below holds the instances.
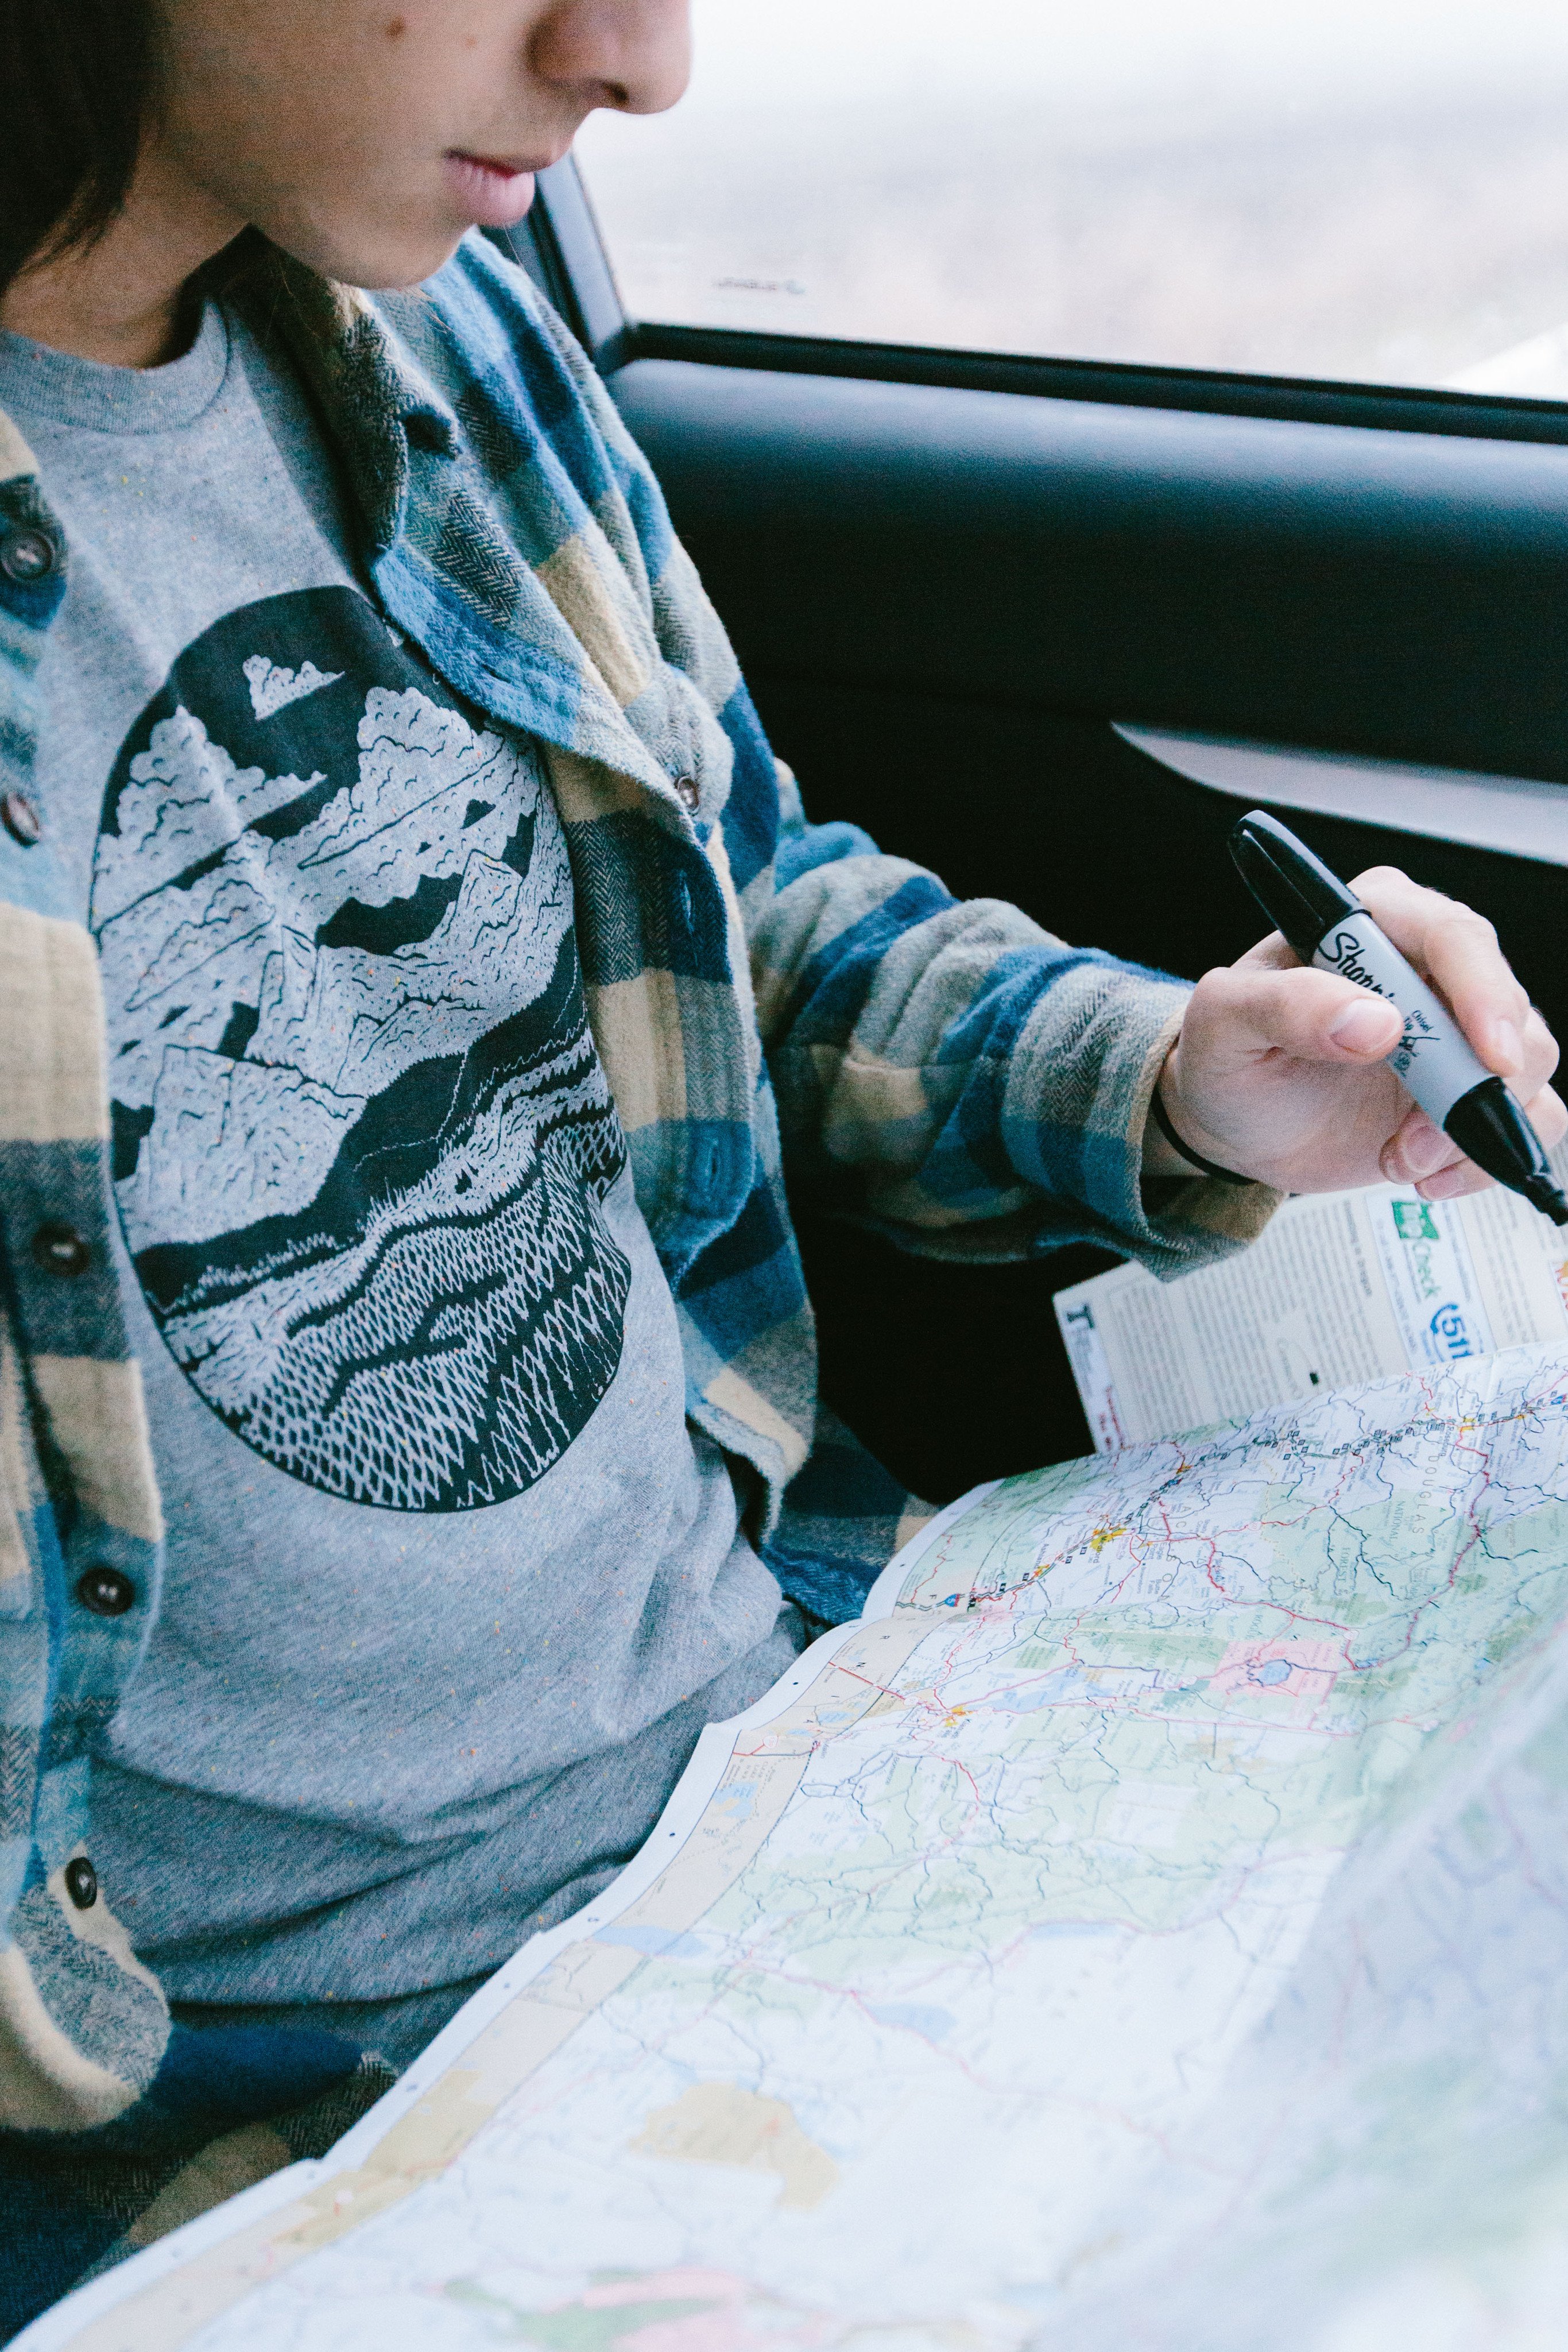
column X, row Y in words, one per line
column 949, row 1072
column 958, row 1078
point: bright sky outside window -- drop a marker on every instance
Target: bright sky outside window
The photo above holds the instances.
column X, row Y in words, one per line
column 1367, row 189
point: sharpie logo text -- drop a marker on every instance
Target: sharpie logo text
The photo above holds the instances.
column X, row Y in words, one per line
column 1344, row 952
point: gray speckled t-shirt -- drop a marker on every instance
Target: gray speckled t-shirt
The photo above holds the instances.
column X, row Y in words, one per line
column 452, row 1587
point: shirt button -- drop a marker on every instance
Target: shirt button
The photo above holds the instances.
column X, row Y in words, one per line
column 688, row 792
column 82, row 1882
column 21, row 818
column 105, row 1591
column 60, row 1249
column 27, row 555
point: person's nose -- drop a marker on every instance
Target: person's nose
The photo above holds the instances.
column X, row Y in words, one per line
column 633, row 55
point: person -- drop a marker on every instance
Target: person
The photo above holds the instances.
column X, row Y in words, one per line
column 420, row 979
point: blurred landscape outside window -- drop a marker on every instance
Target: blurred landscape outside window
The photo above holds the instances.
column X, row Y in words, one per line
column 1368, row 189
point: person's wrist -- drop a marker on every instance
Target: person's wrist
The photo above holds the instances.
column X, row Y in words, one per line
column 1175, row 1143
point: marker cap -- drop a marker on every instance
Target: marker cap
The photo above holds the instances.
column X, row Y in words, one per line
column 1489, row 1128
column 1294, row 888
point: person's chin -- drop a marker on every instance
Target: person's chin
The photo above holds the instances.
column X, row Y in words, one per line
column 383, row 265
column 396, row 242
column 410, row 261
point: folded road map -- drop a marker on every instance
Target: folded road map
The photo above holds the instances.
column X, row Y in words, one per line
column 1145, row 1927
column 1341, row 1288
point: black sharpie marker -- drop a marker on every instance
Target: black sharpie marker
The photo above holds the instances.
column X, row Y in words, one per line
column 1326, row 925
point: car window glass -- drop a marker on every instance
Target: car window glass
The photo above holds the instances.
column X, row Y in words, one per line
column 1374, row 190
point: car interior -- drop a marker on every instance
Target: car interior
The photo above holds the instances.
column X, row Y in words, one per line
column 1048, row 627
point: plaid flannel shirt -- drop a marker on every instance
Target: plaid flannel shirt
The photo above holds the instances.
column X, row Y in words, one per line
column 763, row 992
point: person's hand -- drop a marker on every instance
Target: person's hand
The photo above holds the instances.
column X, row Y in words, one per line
column 1279, row 1072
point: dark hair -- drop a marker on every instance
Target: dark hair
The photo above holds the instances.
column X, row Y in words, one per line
column 78, row 75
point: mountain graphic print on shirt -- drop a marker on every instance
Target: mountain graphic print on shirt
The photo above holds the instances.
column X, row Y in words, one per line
column 361, row 1136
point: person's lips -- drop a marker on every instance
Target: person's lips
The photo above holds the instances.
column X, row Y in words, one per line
column 494, row 191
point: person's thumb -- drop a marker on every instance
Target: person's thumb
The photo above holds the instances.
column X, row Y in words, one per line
column 1314, row 1017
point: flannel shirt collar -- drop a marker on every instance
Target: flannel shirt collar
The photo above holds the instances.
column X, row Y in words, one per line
column 378, row 406
column 447, row 568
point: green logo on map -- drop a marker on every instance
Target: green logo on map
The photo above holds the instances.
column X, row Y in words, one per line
column 1413, row 1222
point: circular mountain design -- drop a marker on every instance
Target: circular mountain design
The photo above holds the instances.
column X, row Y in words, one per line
column 361, row 1136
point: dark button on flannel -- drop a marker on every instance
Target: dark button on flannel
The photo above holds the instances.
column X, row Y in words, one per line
column 60, row 1249
column 105, row 1591
column 27, row 555
column 82, row 1882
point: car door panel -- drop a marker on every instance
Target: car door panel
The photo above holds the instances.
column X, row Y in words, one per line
column 1394, row 594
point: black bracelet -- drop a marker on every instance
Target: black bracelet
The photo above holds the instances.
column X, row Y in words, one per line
column 1163, row 1121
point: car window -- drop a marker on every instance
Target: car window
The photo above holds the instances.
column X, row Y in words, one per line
column 1368, row 189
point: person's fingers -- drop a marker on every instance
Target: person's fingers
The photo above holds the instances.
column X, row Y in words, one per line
column 1538, row 1059
column 1417, row 1150
column 1535, row 1058
column 1453, row 1184
column 1522, row 1048
column 1469, row 965
column 1458, row 953
column 1548, row 1115
column 1243, row 1010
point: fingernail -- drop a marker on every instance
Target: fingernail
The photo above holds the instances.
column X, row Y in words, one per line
column 1423, row 1147
column 1505, row 1046
column 1362, row 1028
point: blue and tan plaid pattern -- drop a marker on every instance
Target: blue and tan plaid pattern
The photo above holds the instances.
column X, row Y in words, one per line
column 766, row 995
